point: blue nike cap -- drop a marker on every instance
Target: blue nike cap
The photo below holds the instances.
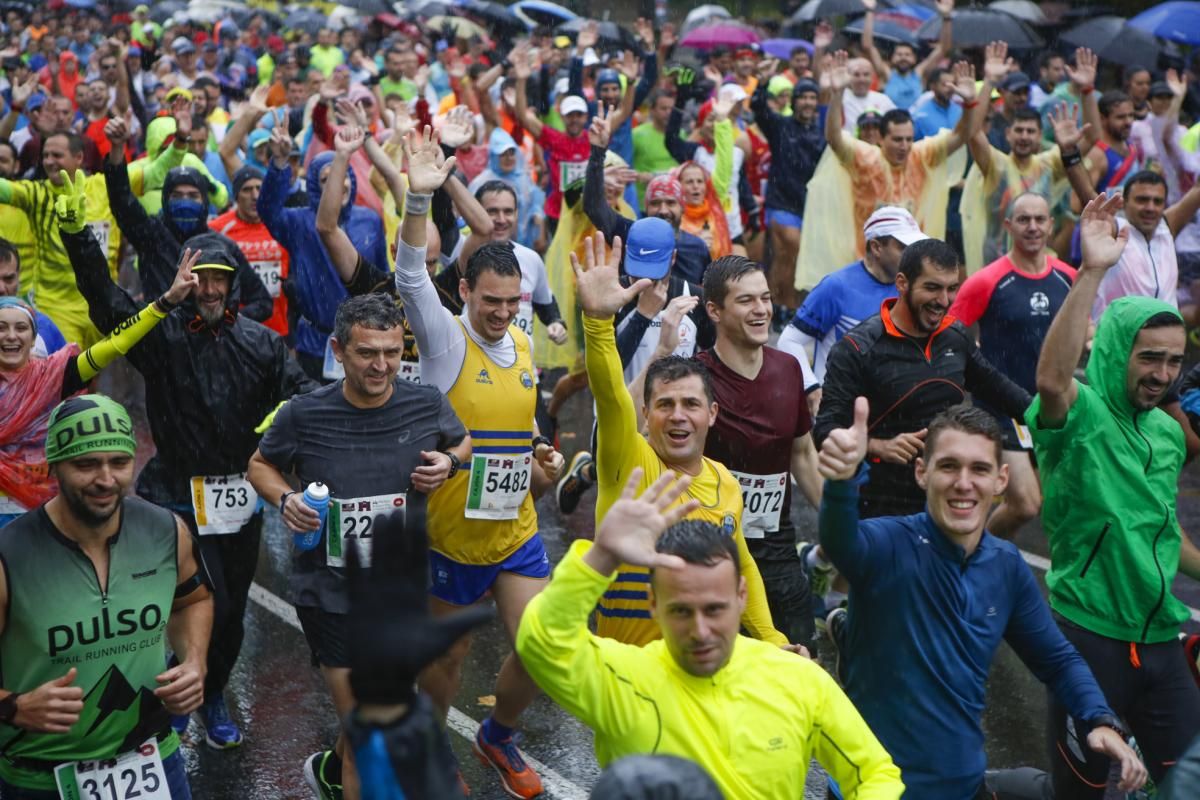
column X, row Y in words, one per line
column 650, row 248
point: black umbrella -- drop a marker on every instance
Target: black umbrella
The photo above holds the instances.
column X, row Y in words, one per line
column 823, row 9
column 306, row 19
column 161, row 12
column 493, row 14
column 887, row 30
column 976, row 27
column 1112, row 40
column 610, row 34
column 369, row 7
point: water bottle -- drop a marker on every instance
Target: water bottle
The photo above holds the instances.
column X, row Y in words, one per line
column 316, row 497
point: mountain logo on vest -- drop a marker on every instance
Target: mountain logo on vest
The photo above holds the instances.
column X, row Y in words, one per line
column 1039, row 305
column 526, row 379
column 483, row 376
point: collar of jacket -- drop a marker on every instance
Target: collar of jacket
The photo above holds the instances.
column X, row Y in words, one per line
column 944, row 546
column 885, row 313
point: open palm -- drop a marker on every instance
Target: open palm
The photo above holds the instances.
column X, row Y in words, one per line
column 1102, row 245
column 598, row 283
column 631, row 527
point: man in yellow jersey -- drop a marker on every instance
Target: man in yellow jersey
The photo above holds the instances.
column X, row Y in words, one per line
column 482, row 527
column 679, row 410
column 752, row 715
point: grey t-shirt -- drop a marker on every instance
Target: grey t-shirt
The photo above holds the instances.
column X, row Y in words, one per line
column 358, row 453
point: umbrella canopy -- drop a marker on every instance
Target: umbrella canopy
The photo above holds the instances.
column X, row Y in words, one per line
column 890, row 27
column 541, row 12
column 1176, row 21
column 426, row 8
column 161, row 12
column 782, row 48
column 369, row 7
column 211, row 11
column 493, row 14
column 821, row 9
column 976, row 27
column 718, row 34
column 702, row 14
column 1113, row 39
column 463, row 28
column 610, row 34
column 305, row 19
column 1027, row 10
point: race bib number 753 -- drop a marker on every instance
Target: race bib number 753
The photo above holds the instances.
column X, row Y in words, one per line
column 136, row 775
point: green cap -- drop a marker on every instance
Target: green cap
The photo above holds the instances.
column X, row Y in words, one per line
column 89, row 423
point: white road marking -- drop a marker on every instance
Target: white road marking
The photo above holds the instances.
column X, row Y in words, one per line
column 555, row 785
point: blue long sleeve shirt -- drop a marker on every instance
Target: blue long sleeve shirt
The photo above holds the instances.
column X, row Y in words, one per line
column 923, row 625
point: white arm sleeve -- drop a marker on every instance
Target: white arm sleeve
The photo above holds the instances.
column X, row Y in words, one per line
column 796, row 343
column 440, row 339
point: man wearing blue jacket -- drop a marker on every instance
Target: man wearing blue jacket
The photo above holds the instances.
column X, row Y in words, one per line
column 318, row 289
column 931, row 597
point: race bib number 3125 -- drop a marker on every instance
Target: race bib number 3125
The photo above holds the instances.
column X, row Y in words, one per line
column 136, row 775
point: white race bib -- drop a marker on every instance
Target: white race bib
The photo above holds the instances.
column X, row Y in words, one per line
column 136, row 775
column 331, row 369
column 498, row 485
column 269, row 272
column 352, row 525
column 1024, row 438
column 410, row 371
column 223, row 503
column 571, row 172
column 762, row 498
column 101, row 229
column 524, row 318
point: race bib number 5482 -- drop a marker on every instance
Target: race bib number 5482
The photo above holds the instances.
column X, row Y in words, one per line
column 136, row 775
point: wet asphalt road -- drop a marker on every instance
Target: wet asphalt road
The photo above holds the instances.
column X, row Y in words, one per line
column 280, row 699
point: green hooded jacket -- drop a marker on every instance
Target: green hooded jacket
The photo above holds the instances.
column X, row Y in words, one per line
column 150, row 192
column 1109, row 476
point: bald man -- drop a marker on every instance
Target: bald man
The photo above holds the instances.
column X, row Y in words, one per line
column 858, row 96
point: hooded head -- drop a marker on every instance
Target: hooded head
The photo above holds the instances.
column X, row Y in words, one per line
column 256, row 139
column 217, row 298
column 499, row 143
column 185, row 201
column 313, row 185
column 1137, row 354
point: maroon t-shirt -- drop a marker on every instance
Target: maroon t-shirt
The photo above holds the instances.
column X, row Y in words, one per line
column 757, row 422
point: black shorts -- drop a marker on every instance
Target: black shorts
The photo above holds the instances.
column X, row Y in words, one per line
column 325, row 633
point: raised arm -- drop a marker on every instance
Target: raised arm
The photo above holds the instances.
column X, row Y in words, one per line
column 247, row 120
column 521, row 70
column 995, row 67
column 1069, row 137
column 970, row 121
column 21, row 93
column 723, row 177
column 1180, row 214
column 945, row 42
column 135, row 224
column 595, row 205
column 882, row 69
column 1102, row 246
column 839, row 79
column 275, row 186
column 118, row 50
column 341, row 250
column 1083, row 76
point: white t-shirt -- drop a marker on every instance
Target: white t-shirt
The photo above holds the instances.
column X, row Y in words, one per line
column 853, row 107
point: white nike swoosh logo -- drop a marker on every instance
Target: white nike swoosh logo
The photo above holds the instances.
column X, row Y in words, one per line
column 644, row 252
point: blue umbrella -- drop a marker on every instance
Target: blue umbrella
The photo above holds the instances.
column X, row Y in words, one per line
column 782, row 48
column 1176, row 21
column 541, row 12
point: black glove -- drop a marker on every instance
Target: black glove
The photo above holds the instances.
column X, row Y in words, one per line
column 392, row 634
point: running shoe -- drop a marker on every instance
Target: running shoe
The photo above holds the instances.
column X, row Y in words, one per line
column 571, row 487
column 518, row 778
column 835, row 627
column 179, row 723
column 314, row 776
column 221, row 732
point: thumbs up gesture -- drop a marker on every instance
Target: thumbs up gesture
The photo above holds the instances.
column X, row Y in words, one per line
column 844, row 448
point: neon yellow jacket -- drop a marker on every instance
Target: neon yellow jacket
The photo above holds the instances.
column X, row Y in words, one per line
column 753, row 726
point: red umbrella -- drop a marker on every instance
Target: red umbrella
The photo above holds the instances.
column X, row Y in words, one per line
column 719, row 34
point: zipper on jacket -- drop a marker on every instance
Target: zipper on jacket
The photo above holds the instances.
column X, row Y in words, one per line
column 1162, row 579
column 1095, row 549
column 1149, row 447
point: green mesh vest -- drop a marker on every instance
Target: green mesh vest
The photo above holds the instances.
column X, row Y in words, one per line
column 59, row 618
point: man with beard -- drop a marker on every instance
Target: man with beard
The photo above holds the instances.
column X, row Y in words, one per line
column 999, row 177
column 211, row 376
column 1110, row 463
column 911, row 361
column 902, row 77
column 796, row 144
column 664, row 199
column 158, row 239
column 1114, row 157
column 56, row 706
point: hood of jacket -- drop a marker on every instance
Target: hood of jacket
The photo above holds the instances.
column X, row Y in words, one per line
column 216, row 248
column 501, row 141
column 1108, row 366
column 313, row 185
column 158, row 133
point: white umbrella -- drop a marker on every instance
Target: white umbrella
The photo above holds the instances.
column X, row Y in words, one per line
column 701, row 14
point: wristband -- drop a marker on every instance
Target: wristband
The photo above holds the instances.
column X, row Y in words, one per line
column 1072, row 159
column 537, row 440
column 165, row 306
column 283, row 501
column 1087, row 91
column 971, row 104
column 417, row 203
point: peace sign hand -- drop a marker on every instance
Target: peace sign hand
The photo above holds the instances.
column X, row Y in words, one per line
column 185, row 280
column 71, row 206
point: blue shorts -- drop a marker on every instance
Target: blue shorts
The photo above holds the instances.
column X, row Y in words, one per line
column 777, row 216
column 464, row 584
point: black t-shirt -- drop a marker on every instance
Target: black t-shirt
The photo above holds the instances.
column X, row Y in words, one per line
column 358, row 453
